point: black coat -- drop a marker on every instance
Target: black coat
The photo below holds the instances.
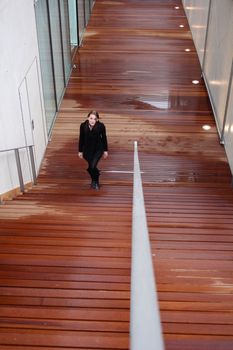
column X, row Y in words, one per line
column 92, row 141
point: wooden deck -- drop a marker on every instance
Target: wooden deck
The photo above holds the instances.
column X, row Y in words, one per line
column 65, row 249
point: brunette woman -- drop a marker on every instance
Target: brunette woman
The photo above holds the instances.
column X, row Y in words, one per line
column 93, row 145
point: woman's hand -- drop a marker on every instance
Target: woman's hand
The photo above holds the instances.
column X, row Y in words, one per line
column 105, row 154
column 80, row 154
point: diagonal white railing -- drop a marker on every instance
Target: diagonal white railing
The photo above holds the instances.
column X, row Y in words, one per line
column 145, row 325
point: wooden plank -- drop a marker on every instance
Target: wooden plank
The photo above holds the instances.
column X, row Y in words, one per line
column 65, row 250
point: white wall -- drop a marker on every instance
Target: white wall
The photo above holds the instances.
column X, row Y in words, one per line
column 216, row 21
column 20, row 90
column 219, row 54
column 228, row 131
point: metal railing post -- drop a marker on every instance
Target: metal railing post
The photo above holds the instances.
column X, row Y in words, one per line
column 18, row 163
column 32, row 164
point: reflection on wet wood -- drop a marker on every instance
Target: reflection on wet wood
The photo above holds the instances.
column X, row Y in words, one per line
column 65, row 249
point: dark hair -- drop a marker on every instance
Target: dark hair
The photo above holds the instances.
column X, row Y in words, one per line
column 95, row 113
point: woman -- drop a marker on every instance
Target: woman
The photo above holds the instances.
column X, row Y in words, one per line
column 93, row 145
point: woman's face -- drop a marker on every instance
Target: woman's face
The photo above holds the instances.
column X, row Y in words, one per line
column 92, row 119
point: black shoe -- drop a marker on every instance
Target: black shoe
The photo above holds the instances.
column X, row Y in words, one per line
column 93, row 184
column 97, row 186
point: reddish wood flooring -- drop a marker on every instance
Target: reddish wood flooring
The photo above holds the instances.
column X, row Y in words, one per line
column 65, row 249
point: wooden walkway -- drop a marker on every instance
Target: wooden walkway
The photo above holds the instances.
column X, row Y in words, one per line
column 65, row 249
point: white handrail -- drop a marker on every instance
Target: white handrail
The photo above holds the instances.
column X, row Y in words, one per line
column 18, row 163
column 145, row 325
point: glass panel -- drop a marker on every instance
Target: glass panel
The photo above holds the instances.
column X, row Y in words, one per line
column 57, row 48
column 66, row 37
column 81, row 19
column 87, row 11
column 73, row 23
column 44, row 43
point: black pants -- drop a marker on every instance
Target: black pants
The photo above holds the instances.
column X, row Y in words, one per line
column 92, row 166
